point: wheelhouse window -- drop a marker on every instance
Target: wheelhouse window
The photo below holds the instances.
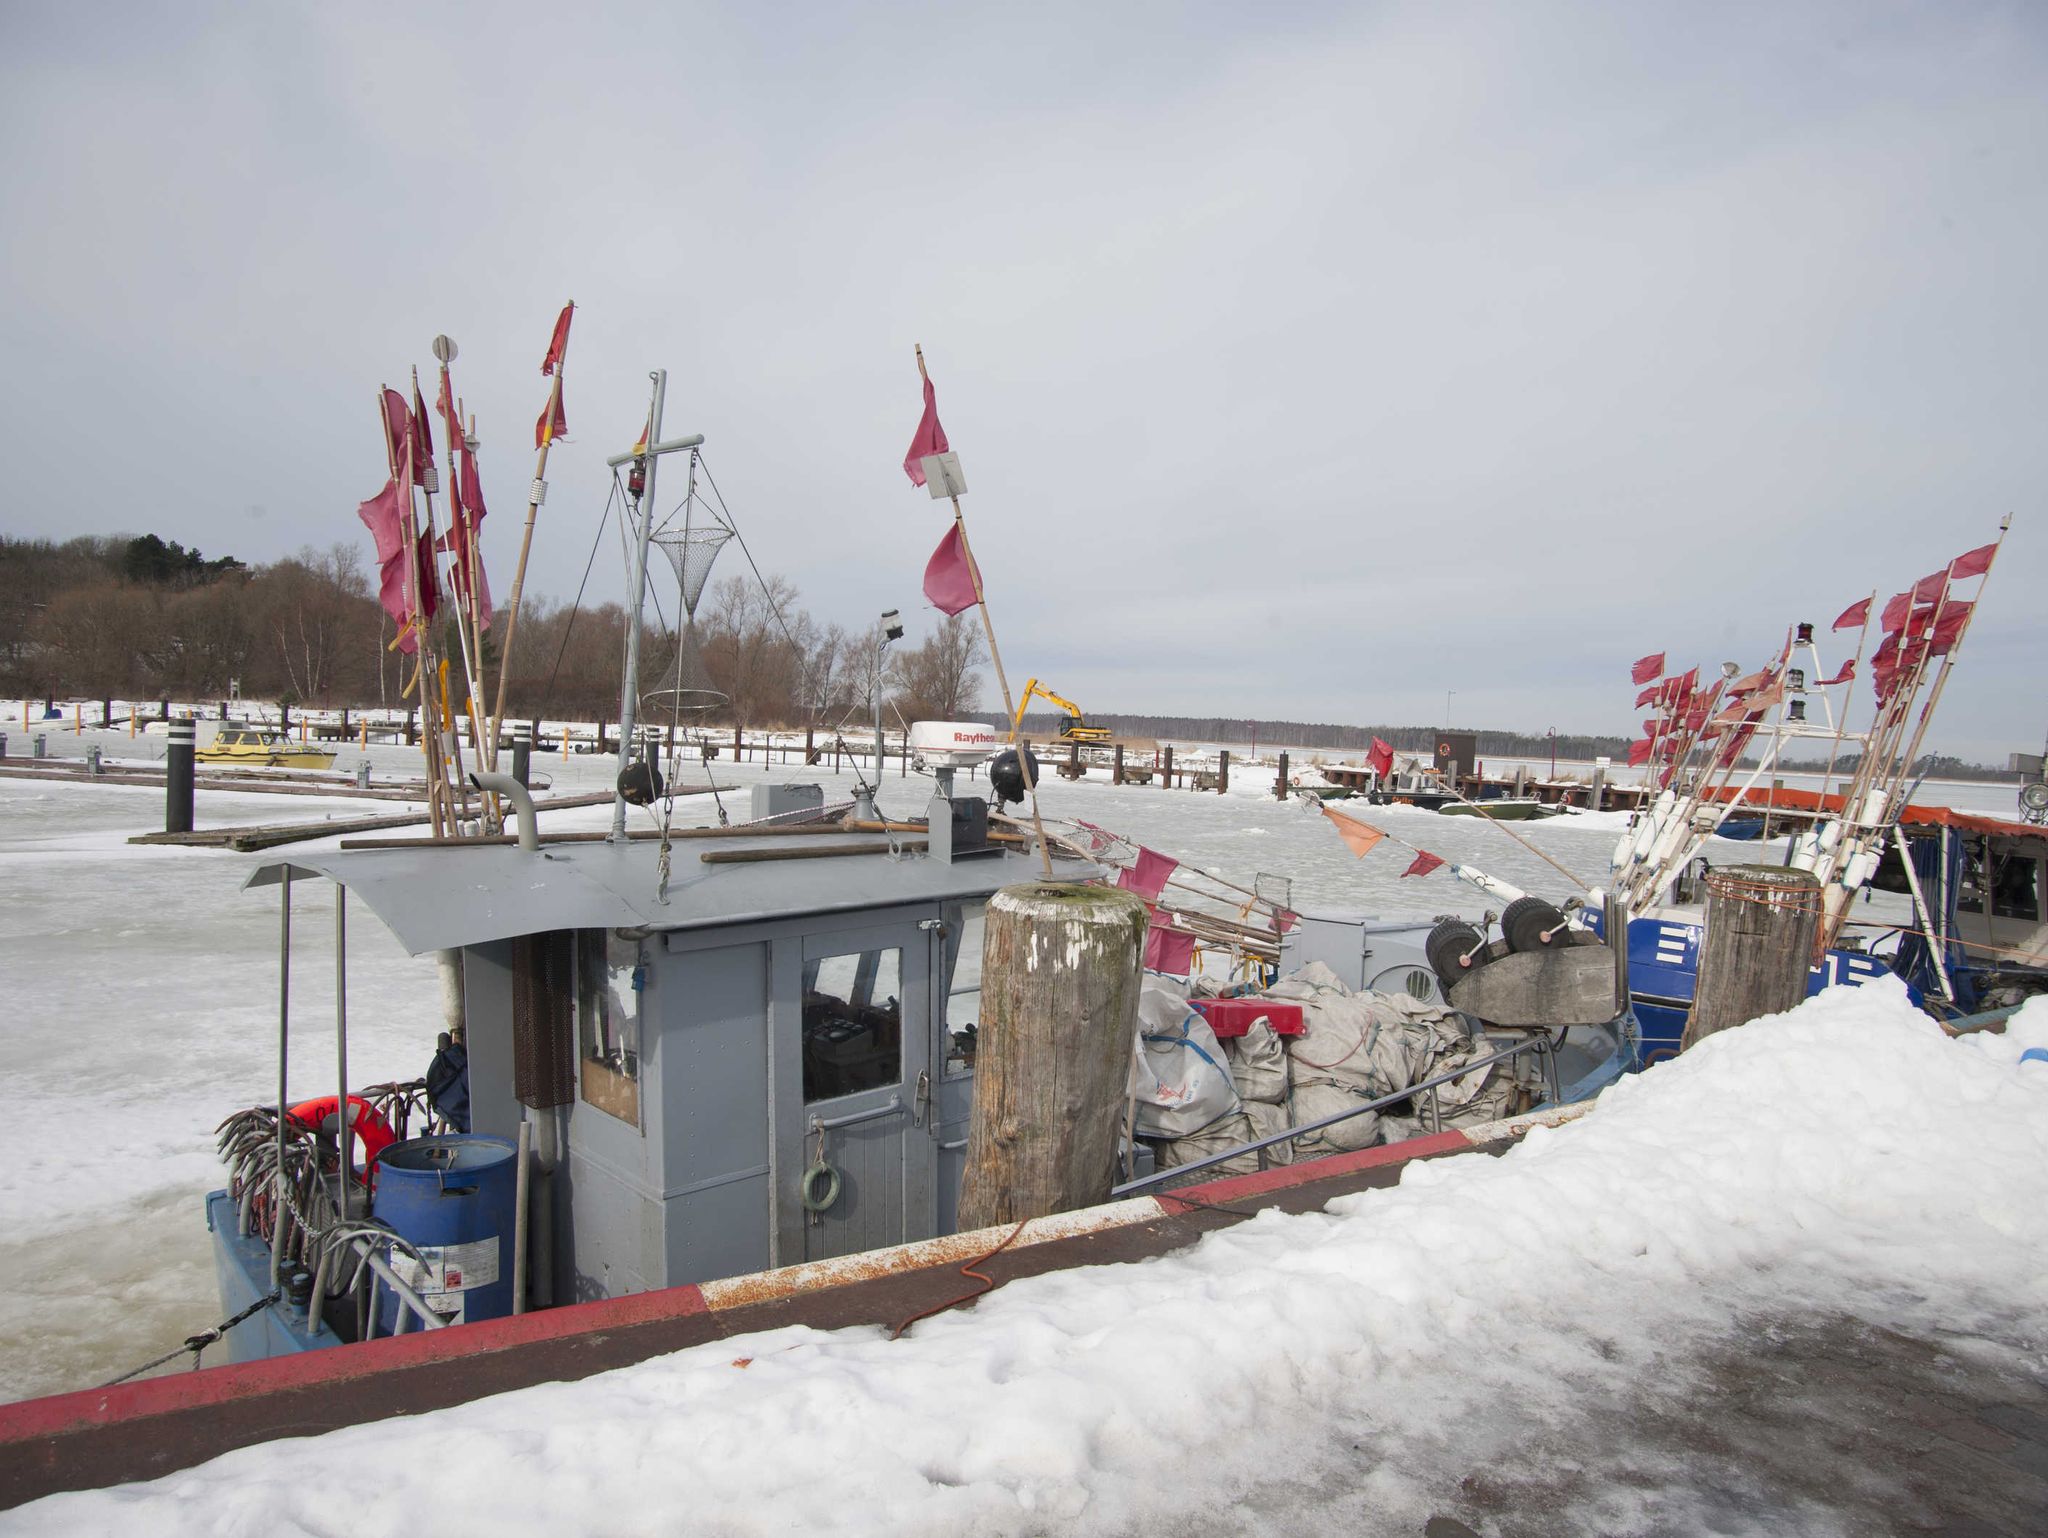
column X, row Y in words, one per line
column 611, row 976
column 963, row 989
column 853, row 1023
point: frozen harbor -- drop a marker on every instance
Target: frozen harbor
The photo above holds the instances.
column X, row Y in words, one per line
column 143, row 987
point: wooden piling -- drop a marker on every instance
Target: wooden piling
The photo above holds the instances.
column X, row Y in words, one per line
column 1759, row 944
column 1280, row 780
column 1167, row 750
column 1059, row 1003
column 1223, row 771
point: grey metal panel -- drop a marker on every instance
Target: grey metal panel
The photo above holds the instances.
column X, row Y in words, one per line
column 785, row 1098
column 444, row 896
column 487, row 1009
column 710, row 1073
column 609, row 1225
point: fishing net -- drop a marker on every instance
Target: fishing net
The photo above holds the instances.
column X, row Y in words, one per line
column 691, row 550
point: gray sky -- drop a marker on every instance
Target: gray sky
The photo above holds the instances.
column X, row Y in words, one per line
column 1304, row 361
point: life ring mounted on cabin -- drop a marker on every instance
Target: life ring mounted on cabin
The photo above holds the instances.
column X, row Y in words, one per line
column 371, row 1130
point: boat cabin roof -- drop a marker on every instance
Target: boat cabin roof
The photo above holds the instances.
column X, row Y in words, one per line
column 442, row 896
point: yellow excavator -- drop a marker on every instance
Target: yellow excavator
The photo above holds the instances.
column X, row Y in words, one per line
column 1073, row 729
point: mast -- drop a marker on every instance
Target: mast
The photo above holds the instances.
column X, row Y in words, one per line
column 629, row 691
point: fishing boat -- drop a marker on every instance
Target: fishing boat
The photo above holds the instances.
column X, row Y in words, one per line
column 1859, row 842
column 1501, row 809
column 261, row 747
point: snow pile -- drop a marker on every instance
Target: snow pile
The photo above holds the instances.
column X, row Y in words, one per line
column 1342, row 1370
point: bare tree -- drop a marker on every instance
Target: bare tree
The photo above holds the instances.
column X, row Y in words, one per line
column 941, row 678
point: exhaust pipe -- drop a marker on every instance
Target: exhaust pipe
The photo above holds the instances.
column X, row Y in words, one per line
column 522, row 802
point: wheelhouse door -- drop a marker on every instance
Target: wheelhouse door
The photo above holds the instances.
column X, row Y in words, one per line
column 862, row 1175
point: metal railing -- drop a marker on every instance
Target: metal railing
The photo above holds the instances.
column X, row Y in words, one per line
column 1541, row 1045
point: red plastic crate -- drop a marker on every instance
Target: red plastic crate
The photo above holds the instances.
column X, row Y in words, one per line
column 1233, row 1017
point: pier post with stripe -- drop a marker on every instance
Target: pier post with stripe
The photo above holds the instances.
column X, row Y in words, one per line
column 178, row 768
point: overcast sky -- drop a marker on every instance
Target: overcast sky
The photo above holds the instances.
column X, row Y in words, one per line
column 1304, row 361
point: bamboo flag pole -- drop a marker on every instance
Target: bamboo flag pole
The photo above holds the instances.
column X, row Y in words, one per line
column 995, row 656
column 465, row 553
column 454, row 743
column 409, row 556
column 540, row 471
column 1949, row 657
column 1842, row 727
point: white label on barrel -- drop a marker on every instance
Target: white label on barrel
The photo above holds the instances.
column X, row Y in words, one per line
column 450, row 1267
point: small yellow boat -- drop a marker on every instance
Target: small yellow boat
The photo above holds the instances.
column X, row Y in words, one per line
column 262, row 748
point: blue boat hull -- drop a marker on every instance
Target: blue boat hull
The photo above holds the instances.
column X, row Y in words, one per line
column 1664, row 968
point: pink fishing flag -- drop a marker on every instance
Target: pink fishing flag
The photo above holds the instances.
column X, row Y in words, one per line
column 1949, row 627
column 1648, row 696
column 1169, row 950
column 1638, row 754
column 1971, row 563
column 1380, row 758
column 1896, row 611
column 1931, row 586
column 1148, row 876
column 1854, row 617
column 1647, row 668
column 1423, row 863
column 1848, row 672
column 949, row 575
column 930, row 439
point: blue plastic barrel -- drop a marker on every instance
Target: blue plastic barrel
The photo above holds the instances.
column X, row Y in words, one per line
column 452, row 1197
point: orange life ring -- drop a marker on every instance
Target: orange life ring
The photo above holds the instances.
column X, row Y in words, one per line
column 369, row 1126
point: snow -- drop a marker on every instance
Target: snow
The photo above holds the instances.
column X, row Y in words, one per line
column 1342, row 1370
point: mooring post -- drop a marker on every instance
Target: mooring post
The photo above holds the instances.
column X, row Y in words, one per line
column 1053, row 1064
column 1223, row 771
column 1116, row 764
column 1074, row 760
column 1599, row 780
column 1167, row 771
column 106, row 714
column 522, row 751
column 811, row 744
column 1759, row 944
column 178, row 779
column 739, row 749
column 1280, row 780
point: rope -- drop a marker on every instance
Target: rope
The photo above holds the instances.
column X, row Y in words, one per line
column 988, row 1283
column 576, row 608
column 196, row 1343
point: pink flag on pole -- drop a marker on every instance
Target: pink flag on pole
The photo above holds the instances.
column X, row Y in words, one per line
column 1148, row 876
column 1971, row 563
column 1895, row 613
column 1648, row 696
column 1948, row 628
column 1638, row 754
column 1423, row 864
column 1853, row 617
column 1647, row 668
column 1848, row 672
column 1380, row 758
column 1931, row 586
column 930, row 439
column 949, row 575
column 1169, row 950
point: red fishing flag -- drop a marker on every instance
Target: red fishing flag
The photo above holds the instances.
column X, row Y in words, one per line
column 422, row 437
column 1647, row 668
column 1379, row 758
column 1854, row 617
column 558, row 344
column 1749, row 683
column 1948, row 628
column 1169, row 950
column 1358, row 835
column 1971, row 563
column 1896, row 611
column 1422, row 865
column 553, row 422
column 1638, row 754
column 1148, row 876
column 399, row 439
column 949, row 576
column 930, row 439
column 1647, row 696
column 1848, row 672
column 1930, row 587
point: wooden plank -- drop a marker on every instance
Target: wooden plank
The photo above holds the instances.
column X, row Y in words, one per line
column 249, row 837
